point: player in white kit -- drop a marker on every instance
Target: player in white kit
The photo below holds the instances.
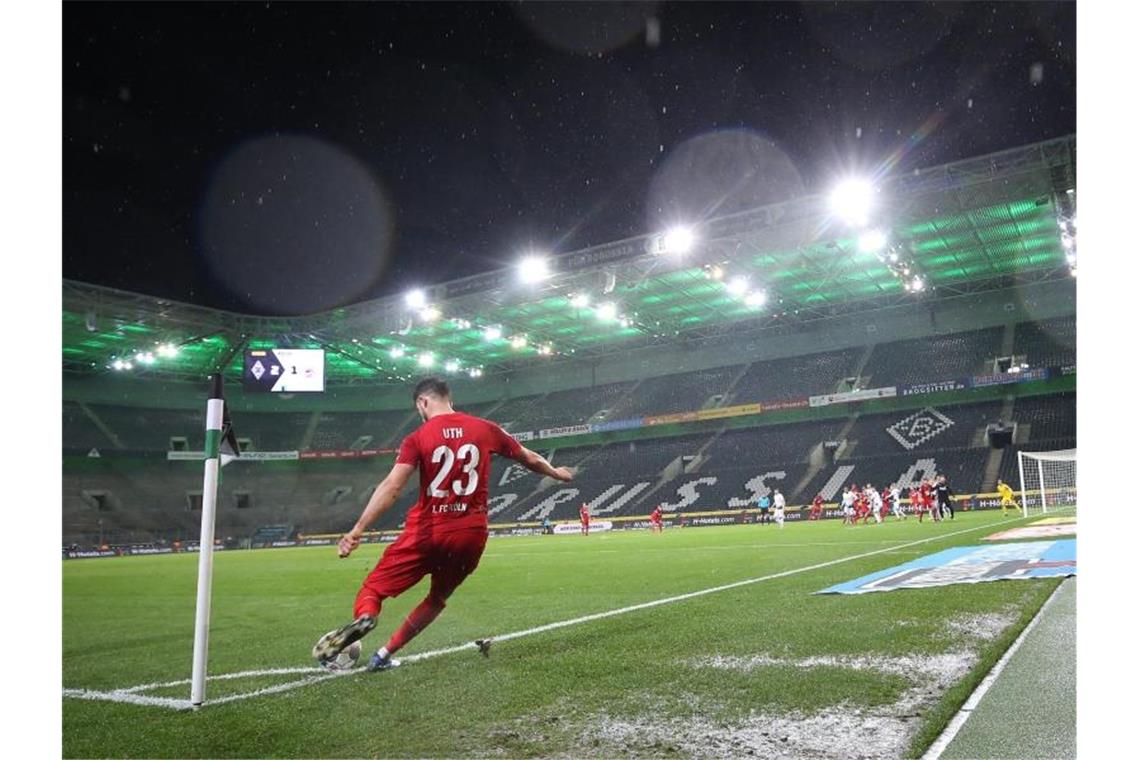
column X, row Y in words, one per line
column 896, row 502
column 876, row 502
column 778, row 503
column 848, row 502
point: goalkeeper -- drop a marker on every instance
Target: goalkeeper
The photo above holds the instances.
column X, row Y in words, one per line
column 1006, row 497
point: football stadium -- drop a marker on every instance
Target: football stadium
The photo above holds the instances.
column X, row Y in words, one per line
column 784, row 479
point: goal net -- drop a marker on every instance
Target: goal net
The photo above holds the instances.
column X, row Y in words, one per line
column 1048, row 481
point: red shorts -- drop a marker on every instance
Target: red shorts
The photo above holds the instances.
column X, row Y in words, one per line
column 449, row 558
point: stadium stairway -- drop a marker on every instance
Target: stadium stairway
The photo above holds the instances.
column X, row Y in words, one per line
column 118, row 444
column 993, row 464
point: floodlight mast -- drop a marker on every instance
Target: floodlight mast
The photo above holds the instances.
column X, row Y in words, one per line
column 215, row 408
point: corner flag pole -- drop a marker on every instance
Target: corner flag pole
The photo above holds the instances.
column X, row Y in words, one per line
column 215, row 413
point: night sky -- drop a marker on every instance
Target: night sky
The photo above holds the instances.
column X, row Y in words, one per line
column 283, row 158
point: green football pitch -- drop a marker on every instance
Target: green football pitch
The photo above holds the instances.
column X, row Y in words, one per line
column 762, row 668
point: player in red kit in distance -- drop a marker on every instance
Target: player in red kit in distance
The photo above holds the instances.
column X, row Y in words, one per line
column 816, row 507
column 655, row 519
column 584, row 514
column 445, row 531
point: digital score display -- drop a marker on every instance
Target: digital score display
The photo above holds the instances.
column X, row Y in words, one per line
column 284, row 370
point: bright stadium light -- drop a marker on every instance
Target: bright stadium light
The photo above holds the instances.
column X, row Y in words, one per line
column 452, row 365
column 580, row 300
column 426, row 359
column 606, row 311
column 678, row 240
column 430, row 314
column 851, row 201
column 119, row 365
column 492, row 333
column 397, row 352
column 518, row 341
column 145, row 358
column 756, row 300
column 736, row 286
column 545, row 349
column 415, row 299
column 168, row 350
column 475, row 372
column 1066, row 241
column 917, row 285
column 533, row 268
column 872, row 241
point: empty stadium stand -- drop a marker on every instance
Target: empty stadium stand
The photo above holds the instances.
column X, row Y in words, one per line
column 795, row 376
column 1049, row 343
column 675, row 393
column 939, row 357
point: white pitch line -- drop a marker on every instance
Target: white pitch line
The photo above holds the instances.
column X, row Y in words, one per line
column 131, row 695
column 943, row 741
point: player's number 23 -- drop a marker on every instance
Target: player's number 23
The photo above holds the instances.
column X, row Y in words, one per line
column 468, row 456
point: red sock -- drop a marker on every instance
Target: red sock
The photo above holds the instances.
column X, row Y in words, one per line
column 419, row 619
column 367, row 603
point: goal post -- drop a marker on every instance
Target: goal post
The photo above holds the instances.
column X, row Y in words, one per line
column 1048, row 481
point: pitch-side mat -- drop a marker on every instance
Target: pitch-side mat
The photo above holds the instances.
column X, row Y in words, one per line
column 309, row 675
column 971, row 564
column 1050, row 527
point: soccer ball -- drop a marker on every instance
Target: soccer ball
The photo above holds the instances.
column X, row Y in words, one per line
column 345, row 660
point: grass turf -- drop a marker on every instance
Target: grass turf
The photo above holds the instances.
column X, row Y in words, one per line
column 129, row 621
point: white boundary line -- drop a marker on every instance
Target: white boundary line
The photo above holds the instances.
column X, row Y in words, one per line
column 131, row 694
column 943, row 741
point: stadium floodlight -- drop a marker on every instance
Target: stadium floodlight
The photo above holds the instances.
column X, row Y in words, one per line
column 580, row 300
column 545, row 349
column 426, row 359
column 756, row 299
column 168, row 350
column 872, row 241
column 430, row 314
column 606, row 311
column 452, row 365
column 678, row 240
column 624, row 322
column 533, row 268
column 145, row 358
column 475, row 372
column 1066, row 241
column 397, row 352
column 918, row 285
column 851, row 201
column 518, row 341
column 415, row 299
column 716, row 272
column 462, row 324
column 737, row 286
column 119, row 365
column 492, row 333
column 894, row 257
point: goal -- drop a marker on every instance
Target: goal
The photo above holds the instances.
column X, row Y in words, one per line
column 1048, row 481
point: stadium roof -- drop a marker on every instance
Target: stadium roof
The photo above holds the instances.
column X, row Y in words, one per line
column 976, row 225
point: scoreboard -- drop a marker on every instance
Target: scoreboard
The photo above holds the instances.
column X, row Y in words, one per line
column 284, row 370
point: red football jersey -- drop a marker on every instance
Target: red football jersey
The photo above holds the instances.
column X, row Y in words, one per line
column 453, row 454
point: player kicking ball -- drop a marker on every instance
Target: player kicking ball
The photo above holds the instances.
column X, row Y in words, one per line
column 445, row 530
